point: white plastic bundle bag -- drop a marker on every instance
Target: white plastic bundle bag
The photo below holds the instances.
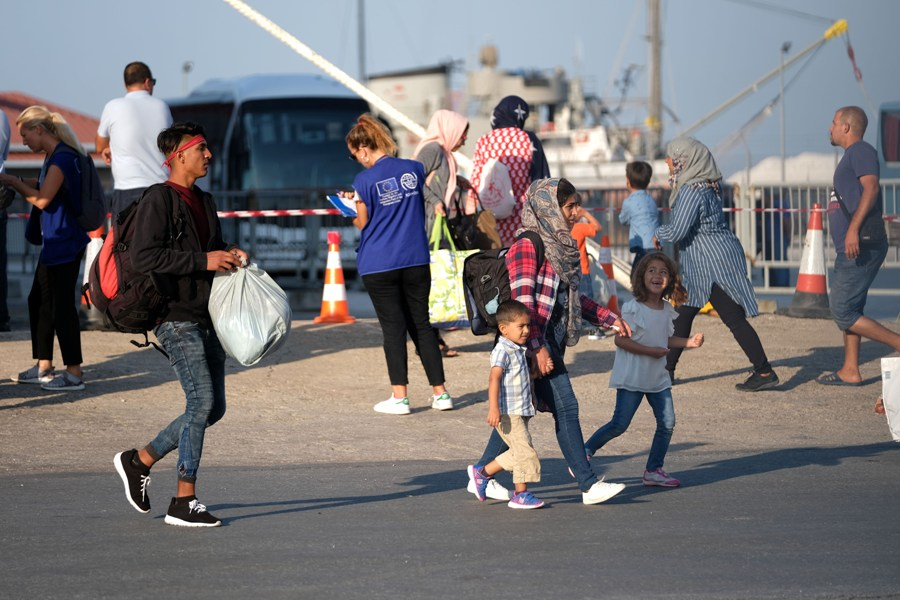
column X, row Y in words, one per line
column 250, row 313
column 890, row 389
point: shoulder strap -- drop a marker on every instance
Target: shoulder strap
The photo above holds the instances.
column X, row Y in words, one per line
column 538, row 244
column 843, row 206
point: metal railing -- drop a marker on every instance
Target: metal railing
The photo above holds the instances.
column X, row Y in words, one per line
column 770, row 220
column 294, row 247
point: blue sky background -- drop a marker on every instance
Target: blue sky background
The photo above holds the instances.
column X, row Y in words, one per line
column 73, row 53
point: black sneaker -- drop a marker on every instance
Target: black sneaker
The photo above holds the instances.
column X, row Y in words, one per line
column 188, row 512
column 136, row 480
column 757, row 382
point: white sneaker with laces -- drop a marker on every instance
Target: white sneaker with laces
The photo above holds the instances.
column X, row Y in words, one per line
column 494, row 490
column 442, row 402
column 601, row 492
column 393, row 406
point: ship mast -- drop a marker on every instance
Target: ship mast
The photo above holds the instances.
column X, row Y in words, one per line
column 654, row 108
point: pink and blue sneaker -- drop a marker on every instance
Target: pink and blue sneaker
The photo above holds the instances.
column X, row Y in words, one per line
column 525, row 500
column 480, row 479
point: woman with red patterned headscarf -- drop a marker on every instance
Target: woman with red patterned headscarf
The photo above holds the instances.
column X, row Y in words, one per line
column 519, row 150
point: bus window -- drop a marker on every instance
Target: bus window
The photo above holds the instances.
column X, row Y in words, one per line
column 889, row 141
column 294, row 143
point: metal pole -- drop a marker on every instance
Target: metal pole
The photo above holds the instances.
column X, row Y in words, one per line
column 785, row 47
column 361, row 27
column 365, row 93
column 839, row 28
column 654, row 107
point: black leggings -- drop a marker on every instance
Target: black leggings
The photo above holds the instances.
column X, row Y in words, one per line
column 52, row 309
column 400, row 299
column 734, row 317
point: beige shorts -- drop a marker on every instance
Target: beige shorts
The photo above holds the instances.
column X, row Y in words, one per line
column 520, row 459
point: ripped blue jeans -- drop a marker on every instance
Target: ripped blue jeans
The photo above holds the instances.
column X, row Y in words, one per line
column 199, row 362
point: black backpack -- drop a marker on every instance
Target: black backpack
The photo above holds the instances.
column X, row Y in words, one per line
column 486, row 283
column 88, row 205
column 133, row 302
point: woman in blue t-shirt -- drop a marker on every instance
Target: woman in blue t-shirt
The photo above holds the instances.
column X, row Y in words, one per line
column 393, row 258
column 51, row 302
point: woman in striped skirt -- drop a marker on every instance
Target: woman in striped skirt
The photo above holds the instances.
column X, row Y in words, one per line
column 711, row 257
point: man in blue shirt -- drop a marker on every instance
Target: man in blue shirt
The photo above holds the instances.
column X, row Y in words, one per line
column 857, row 229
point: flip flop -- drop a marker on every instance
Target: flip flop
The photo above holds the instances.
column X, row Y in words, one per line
column 833, row 379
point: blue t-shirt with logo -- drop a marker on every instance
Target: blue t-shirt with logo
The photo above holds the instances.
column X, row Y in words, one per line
column 62, row 237
column 859, row 159
column 394, row 236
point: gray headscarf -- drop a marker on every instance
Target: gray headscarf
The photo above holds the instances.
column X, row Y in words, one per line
column 541, row 213
column 692, row 162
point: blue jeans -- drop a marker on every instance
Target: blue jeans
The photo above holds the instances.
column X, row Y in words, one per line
column 851, row 282
column 627, row 403
column 556, row 391
column 199, row 362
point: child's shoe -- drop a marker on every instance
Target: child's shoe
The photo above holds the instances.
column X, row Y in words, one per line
column 494, row 490
column 478, row 477
column 525, row 500
column 660, row 478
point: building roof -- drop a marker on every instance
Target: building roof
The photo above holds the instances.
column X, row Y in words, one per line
column 13, row 103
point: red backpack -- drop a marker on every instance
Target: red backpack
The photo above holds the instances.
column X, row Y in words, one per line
column 130, row 300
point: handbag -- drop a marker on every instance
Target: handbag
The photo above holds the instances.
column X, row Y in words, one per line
column 446, row 300
column 476, row 231
column 872, row 228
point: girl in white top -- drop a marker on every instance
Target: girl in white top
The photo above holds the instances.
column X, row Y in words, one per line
column 640, row 366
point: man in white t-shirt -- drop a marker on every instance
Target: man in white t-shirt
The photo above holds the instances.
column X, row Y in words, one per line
column 127, row 134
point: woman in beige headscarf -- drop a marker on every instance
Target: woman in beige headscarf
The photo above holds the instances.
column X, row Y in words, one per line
column 711, row 257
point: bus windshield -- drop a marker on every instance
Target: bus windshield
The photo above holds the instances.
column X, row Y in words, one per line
column 292, row 143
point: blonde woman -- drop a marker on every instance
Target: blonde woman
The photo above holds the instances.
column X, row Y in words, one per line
column 51, row 303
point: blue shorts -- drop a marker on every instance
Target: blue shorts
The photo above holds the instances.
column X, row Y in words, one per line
column 851, row 281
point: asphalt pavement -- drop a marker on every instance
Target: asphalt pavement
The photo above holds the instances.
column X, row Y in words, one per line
column 742, row 526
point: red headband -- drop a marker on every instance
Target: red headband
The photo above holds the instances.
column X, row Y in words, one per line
column 197, row 139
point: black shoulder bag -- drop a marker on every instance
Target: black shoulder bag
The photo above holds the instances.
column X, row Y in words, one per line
column 872, row 229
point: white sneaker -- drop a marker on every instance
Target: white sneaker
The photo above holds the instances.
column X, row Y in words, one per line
column 393, row 406
column 494, row 490
column 442, row 402
column 601, row 492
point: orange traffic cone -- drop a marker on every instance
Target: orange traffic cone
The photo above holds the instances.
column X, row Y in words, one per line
column 91, row 318
column 334, row 295
column 606, row 263
column 810, row 299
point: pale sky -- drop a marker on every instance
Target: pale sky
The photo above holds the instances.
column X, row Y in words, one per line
column 73, row 53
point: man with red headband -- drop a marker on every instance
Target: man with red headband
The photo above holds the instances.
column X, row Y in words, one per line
column 179, row 241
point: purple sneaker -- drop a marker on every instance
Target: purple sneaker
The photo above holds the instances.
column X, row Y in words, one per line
column 480, row 479
column 660, row 478
column 525, row 500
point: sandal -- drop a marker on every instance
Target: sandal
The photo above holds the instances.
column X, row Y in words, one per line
column 447, row 351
